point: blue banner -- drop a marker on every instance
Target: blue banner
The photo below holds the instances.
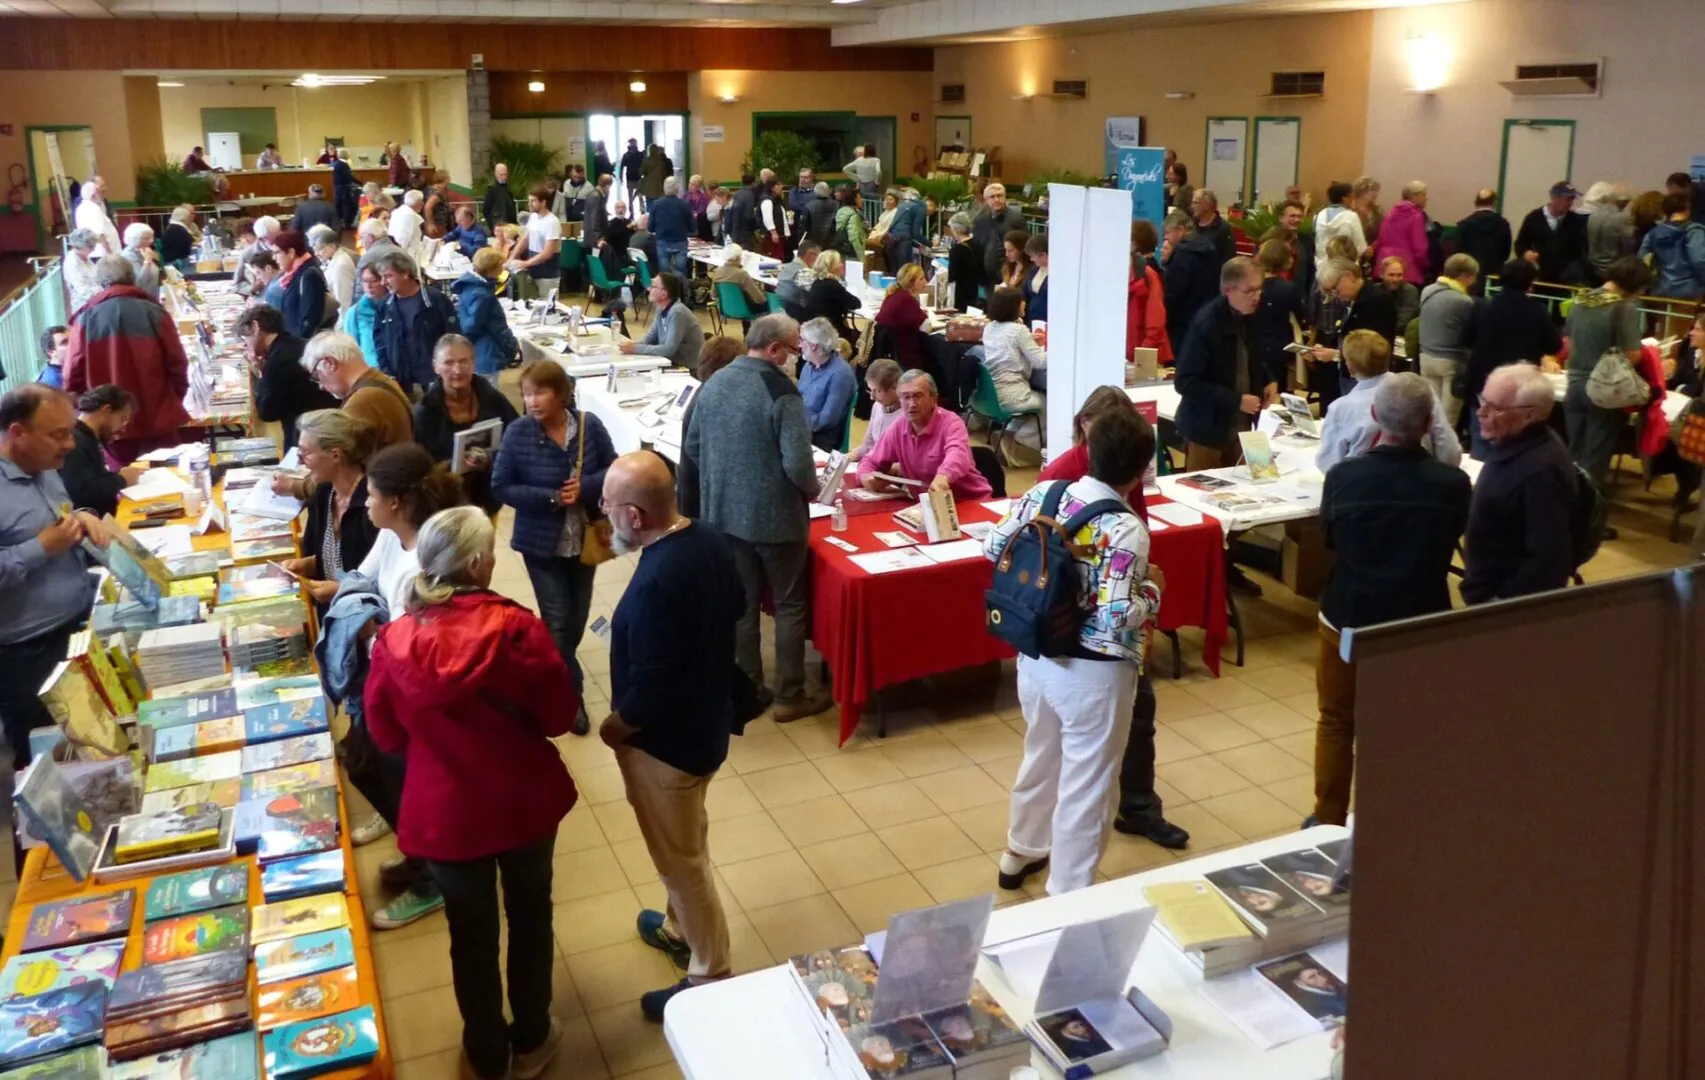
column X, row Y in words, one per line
column 1142, row 172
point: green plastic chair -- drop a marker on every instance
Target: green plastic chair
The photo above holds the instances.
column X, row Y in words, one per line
column 733, row 302
column 774, row 302
column 986, row 403
column 571, row 256
column 601, row 277
column 846, row 425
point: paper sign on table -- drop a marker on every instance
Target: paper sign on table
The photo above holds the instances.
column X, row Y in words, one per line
column 842, row 544
column 953, row 551
column 929, row 958
column 896, row 539
column 1175, row 514
column 886, row 562
column 1258, row 1009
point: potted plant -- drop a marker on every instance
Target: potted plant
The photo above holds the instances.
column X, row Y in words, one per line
column 164, row 183
column 529, row 163
column 782, row 152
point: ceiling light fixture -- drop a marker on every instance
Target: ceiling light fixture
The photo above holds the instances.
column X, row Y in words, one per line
column 536, row 86
column 311, row 80
column 843, row 1
column 637, row 86
column 729, row 99
column 168, row 85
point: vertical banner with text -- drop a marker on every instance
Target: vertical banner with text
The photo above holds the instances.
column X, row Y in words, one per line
column 1122, row 133
column 1142, row 172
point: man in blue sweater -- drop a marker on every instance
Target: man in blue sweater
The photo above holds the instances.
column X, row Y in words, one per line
column 671, row 221
column 672, row 705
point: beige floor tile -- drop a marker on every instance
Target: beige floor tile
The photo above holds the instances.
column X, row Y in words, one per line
column 601, row 784
column 786, row 785
column 423, row 1023
column 409, row 965
column 1262, row 763
column 587, row 752
column 670, row 1071
column 858, row 771
column 892, row 804
column 579, row 831
column 595, row 921
column 747, row 949
column 1282, row 681
column 728, row 797
column 1132, row 855
column 565, row 996
column 817, row 820
column 1201, row 778
column 1168, row 794
column 1170, row 746
column 580, row 1057
column 985, row 825
column 960, row 879
column 802, row 926
column 869, row 905
column 1303, row 704
column 1271, row 719
column 1253, row 813
column 586, row 873
column 1226, row 692
column 1003, row 771
column 1173, row 702
column 619, row 974
column 771, row 880
column 617, row 821
column 985, row 741
column 819, row 736
column 929, row 842
column 1296, row 792
column 850, row 860
column 755, row 753
column 444, row 1065
column 1215, row 731
column 963, row 788
column 628, row 1040
column 747, row 837
column 925, row 756
column 1207, row 832
column 1299, row 746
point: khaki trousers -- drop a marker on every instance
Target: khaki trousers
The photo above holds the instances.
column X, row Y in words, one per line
column 1198, row 457
column 669, row 805
column 1335, row 736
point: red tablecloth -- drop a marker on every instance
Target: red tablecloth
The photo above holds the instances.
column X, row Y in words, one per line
column 876, row 630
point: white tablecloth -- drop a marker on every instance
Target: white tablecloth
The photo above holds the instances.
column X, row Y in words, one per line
column 626, row 423
column 754, row 1027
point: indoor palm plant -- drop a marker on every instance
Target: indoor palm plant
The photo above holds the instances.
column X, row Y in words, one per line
column 164, row 183
column 529, row 163
column 781, row 151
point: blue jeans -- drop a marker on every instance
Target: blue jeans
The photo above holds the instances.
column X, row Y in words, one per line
column 563, row 588
column 672, row 256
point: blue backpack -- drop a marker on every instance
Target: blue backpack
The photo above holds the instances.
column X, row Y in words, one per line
column 1036, row 604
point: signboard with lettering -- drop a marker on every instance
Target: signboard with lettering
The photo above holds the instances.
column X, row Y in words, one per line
column 1142, row 172
column 1122, row 133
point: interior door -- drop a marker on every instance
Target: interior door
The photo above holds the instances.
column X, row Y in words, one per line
column 1537, row 154
column 1226, row 158
column 1277, row 141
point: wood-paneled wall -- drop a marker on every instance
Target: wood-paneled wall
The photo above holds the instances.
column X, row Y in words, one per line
column 587, row 91
column 189, row 44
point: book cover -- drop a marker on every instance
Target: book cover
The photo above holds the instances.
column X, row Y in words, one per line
column 305, row 875
column 196, row 770
column 1258, row 455
column 171, row 744
column 194, row 1023
column 1260, row 897
column 29, row 974
column 227, row 793
column 221, row 735
column 317, row 1046
column 266, row 548
column 77, row 707
column 109, row 869
column 1194, row 915
column 192, row 935
column 79, row 919
column 282, row 753
column 256, row 582
column 293, row 823
column 1310, row 873
column 94, row 660
column 139, row 570
column 197, row 588
column 273, row 691
column 1203, row 482
column 53, row 811
column 304, row 954
column 977, row 1031
column 196, row 890
column 165, row 712
column 1315, row 990
column 306, row 915
column 273, row 669
column 311, row 774
column 158, row 987
column 83, row 1063
column 841, row 981
column 230, row 1057
column 305, row 715
column 900, row 1048
column 307, row 998
column 195, row 564
column 118, row 653
column 109, row 789
column 149, row 836
column 35, row 1027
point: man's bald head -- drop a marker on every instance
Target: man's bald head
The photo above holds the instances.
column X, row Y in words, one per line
column 639, row 496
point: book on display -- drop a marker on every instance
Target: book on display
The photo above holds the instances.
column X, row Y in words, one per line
column 192, row 935
column 254, row 693
column 1312, row 875
column 169, row 986
column 229, row 1057
column 310, row 774
column 52, row 810
column 221, row 735
column 181, row 653
column 283, row 753
column 149, row 836
column 301, row 715
column 304, row 954
column 29, row 974
column 194, row 1024
column 79, row 919
column 227, row 793
column 304, row 875
column 45, row 1024
column 108, row 867
column 307, row 998
column 1310, row 986
column 196, row 770
column 307, row 915
column 979, row 1037
column 1261, row 898
column 92, row 657
column 76, row 705
column 195, row 564
column 133, row 617
column 83, row 1063
column 899, row 1048
column 164, row 712
column 258, row 582
column 312, row 1047
column 196, row 890
column 288, row 824
column 1193, row 915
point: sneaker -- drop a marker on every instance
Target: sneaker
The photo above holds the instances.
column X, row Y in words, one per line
column 396, row 874
column 787, row 710
column 532, row 1064
column 1155, row 829
column 653, row 1003
column 410, row 907
column 582, row 723
column 367, row 830
column 1014, row 869
column 651, row 932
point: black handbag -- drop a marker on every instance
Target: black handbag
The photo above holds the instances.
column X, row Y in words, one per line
column 748, row 706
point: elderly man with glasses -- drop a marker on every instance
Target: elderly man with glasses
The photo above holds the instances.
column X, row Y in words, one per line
column 1221, row 378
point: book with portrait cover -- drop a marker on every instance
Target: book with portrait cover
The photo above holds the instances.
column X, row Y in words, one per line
column 900, row 1048
column 83, row 1063
column 312, row 1047
column 196, row 890
column 79, row 919
column 311, row 774
column 305, row 875
column 192, row 935
column 306, row 915
column 36, row 1027
column 283, row 753
column 1310, row 986
column 1310, row 873
column 1260, row 897
column 307, row 998
column 28, row 974
column 1333, row 849
column 273, row 721
column 304, row 954
column 52, row 810
column 230, row 1057
column 979, row 1035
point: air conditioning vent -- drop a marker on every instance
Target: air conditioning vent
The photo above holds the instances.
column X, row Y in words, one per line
column 1292, row 84
column 953, row 94
column 1570, row 78
column 1071, row 88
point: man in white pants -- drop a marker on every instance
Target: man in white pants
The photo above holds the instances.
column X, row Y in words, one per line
column 1078, row 708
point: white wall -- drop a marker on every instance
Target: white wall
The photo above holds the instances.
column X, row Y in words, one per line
column 447, row 122
column 1644, row 126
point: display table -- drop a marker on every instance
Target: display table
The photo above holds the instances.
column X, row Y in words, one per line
column 623, row 422
column 290, row 183
column 869, row 628
column 755, row 1027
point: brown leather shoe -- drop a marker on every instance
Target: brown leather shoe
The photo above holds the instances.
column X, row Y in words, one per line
column 787, row 710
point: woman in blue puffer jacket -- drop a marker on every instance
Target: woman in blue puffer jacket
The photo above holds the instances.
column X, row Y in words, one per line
column 482, row 316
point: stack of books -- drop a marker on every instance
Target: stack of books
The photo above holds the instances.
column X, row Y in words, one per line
column 172, row 832
column 181, row 653
column 176, row 1003
column 260, row 581
column 38, row 972
column 261, row 450
column 312, row 1047
column 255, row 644
column 304, row 875
column 282, row 826
column 1290, row 901
column 133, row 616
column 43, row 1026
column 232, row 1057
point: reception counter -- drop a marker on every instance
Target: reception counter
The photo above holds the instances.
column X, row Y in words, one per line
column 292, row 183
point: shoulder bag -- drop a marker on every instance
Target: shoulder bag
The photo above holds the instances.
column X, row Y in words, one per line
column 595, row 545
column 1614, row 384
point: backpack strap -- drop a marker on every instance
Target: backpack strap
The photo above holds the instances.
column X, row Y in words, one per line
column 1051, row 501
column 1091, row 512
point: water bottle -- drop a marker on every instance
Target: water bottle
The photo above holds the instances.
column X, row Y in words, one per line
column 839, row 521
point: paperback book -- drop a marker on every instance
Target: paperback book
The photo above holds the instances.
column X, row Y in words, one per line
column 196, row 890
column 290, row 823
column 312, row 1047
column 305, row 875
column 1309, row 986
column 93, row 659
column 979, row 1037
column 133, row 617
column 306, row 915
column 195, row 564
column 257, row 582
column 52, row 810
column 29, row 974
column 900, row 1048
column 167, row 987
column 283, row 753
column 45, row 1024
column 79, row 919
column 1312, row 875
column 1194, row 916
column 304, row 715
column 194, row 1024
column 292, row 778
column 189, row 709
column 195, row 934
column 307, row 998
column 196, row 770
column 304, row 954
column 1260, row 897
column 108, row 868
column 230, row 1057
column 76, row 705
column 227, row 793
column 83, row 1063
column 258, row 692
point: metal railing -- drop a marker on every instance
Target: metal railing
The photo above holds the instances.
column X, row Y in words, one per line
column 1658, row 313
column 24, row 315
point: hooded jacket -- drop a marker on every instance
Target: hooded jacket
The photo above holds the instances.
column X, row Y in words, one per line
column 122, row 337
column 1191, row 279
column 1677, row 252
column 470, row 692
column 482, row 321
column 1403, row 235
column 1145, row 314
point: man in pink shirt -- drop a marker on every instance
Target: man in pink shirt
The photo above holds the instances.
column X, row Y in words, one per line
column 931, row 446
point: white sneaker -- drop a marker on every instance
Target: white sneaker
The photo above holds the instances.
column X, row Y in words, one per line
column 368, row 829
column 532, row 1064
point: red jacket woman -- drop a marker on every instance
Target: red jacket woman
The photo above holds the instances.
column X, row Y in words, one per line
column 1145, row 314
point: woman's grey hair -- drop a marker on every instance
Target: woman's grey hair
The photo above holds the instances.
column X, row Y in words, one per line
column 183, row 215
column 1404, row 404
column 384, row 201
column 334, row 429
column 82, row 239
column 334, row 344
column 672, row 185
column 448, row 342
column 821, row 333
column 114, row 270
column 371, row 230
column 449, row 547
column 920, row 375
column 821, row 189
column 138, row 235
column 322, row 236
column 768, row 330
column 960, row 223
column 884, row 372
column 1533, row 389
column 1414, row 188
column 1178, row 219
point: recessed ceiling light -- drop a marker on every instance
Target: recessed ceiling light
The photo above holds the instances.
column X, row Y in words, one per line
column 843, row 1
column 168, row 85
column 536, row 86
column 637, row 86
column 311, row 79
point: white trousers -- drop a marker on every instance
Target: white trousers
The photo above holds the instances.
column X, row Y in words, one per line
column 1078, row 715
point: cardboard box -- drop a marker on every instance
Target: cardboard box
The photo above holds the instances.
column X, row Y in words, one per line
column 1304, row 561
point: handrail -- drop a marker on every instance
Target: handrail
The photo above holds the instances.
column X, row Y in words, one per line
column 1553, row 293
column 24, row 314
